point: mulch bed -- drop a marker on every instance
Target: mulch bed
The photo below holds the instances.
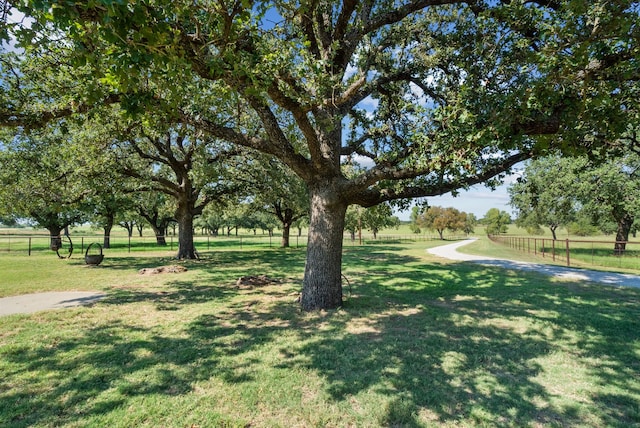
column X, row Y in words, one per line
column 162, row 269
column 251, row 281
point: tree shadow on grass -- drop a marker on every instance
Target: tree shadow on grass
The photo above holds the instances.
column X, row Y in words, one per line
column 222, row 265
column 171, row 296
column 470, row 345
column 135, row 263
column 100, row 369
column 440, row 343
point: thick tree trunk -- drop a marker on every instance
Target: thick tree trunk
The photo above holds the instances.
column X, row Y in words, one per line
column 55, row 238
column 161, row 238
column 160, row 233
column 441, row 233
column 158, row 226
column 286, row 217
column 553, row 231
column 622, row 234
column 106, row 242
column 186, row 248
column 322, row 286
column 286, row 230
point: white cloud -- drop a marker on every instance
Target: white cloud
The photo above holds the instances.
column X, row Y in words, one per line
column 362, row 161
column 18, row 18
column 351, row 71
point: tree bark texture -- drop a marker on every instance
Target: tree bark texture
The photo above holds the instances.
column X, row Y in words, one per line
column 286, row 230
column 160, row 233
column 186, row 248
column 622, row 234
column 106, row 241
column 55, row 238
column 322, row 286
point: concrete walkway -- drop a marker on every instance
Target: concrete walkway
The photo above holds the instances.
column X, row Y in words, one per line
column 450, row 252
column 29, row 303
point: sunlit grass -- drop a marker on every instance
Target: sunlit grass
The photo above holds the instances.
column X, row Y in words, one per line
column 419, row 342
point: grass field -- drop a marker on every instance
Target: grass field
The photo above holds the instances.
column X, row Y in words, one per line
column 28, row 240
column 596, row 253
column 419, row 342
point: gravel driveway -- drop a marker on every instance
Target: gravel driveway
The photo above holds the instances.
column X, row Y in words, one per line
column 28, row 303
column 450, row 252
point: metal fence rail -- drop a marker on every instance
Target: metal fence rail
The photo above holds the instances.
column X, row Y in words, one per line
column 27, row 244
column 620, row 254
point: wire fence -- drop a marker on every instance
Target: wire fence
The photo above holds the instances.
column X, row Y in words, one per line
column 37, row 243
column 618, row 254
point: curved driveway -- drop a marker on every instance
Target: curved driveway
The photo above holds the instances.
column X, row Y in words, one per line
column 617, row 279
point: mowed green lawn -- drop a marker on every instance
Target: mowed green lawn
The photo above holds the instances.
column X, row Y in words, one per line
column 419, row 342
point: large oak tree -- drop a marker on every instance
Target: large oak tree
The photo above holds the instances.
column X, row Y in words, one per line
column 555, row 191
column 546, row 194
column 182, row 164
column 431, row 95
column 41, row 180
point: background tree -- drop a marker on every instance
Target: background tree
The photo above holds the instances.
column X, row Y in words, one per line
column 104, row 207
column 441, row 219
column 42, row 182
column 301, row 223
column 414, row 218
column 496, row 221
column 582, row 225
column 353, row 221
column 157, row 209
column 8, row 221
column 211, row 220
column 577, row 191
column 130, row 220
column 183, row 165
column 373, row 219
column 110, row 200
column 611, row 191
column 470, row 223
column 284, row 195
column 264, row 221
column 546, row 194
column 234, row 217
column 451, row 107
column 379, row 217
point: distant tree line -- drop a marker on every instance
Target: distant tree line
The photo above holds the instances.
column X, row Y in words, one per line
column 156, row 182
column 580, row 194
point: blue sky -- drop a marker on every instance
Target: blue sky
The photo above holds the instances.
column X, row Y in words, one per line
column 477, row 200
